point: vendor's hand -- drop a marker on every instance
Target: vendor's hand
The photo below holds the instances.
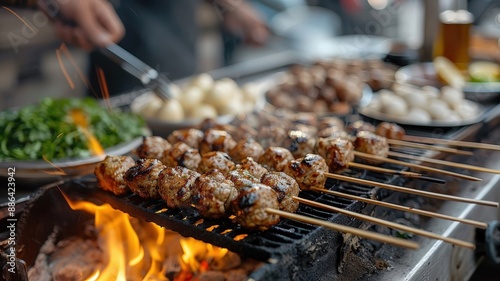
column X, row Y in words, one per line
column 85, row 23
column 242, row 19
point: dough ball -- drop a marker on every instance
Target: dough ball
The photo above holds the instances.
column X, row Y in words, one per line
column 203, row 111
column 171, row 111
column 395, row 106
column 150, row 106
column 416, row 99
column 452, row 96
column 432, row 92
column 191, row 97
column 220, row 94
column 438, row 109
column 466, row 110
column 203, row 81
column 252, row 92
column 417, row 114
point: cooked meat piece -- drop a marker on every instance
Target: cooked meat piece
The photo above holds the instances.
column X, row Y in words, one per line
column 216, row 140
column 182, row 155
column 371, row 143
column 216, row 160
column 338, row 152
column 191, row 137
column 212, row 194
column 152, row 147
column 307, row 129
column 333, row 132
column 308, row 171
column 175, row 185
column 307, row 118
column 271, row 136
column 276, row 158
column 142, row 178
column 246, row 148
column 110, row 171
column 328, row 122
column 299, row 143
column 241, row 178
column 250, row 207
column 360, row 125
column 285, row 186
column 390, row 131
column 254, row 168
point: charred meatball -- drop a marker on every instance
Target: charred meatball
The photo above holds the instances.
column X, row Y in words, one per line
column 390, row 131
column 110, row 171
column 216, row 140
column 191, row 137
column 182, row 155
column 216, row 160
column 212, row 194
column 246, row 148
column 329, row 122
column 271, row 136
column 338, row 152
column 309, row 171
column 276, row 158
column 175, row 185
column 142, row 178
column 299, row 143
column 360, row 125
column 153, row 147
column 250, row 207
column 285, row 186
column 371, row 143
column 241, row 178
column 254, row 168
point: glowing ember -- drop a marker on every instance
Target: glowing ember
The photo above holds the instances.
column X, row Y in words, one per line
column 197, row 254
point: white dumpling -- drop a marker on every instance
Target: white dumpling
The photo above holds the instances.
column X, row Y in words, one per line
column 375, row 105
column 418, row 115
column 150, row 106
column 453, row 117
column 203, row 111
column 416, row 99
column 431, row 92
column 452, row 96
column 171, row 111
column 252, row 92
column 234, row 106
column 466, row 110
column 438, row 109
column 395, row 106
column 191, row 97
column 220, row 94
column 203, row 81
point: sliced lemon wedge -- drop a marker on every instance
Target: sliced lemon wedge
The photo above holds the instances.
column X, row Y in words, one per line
column 484, row 71
column 448, row 72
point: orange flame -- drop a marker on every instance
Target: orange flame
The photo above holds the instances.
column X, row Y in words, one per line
column 79, row 118
column 196, row 253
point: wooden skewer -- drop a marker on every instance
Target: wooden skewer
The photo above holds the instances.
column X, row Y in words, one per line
column 416, row 166
column 347, row 229
column 390, row 224
column 395, row 172
column 428, row 147
column 443, row 162
column 452, row 142
column 412, row 191
column 477, row 224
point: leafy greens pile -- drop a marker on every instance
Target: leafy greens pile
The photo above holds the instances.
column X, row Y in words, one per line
column 47, row 130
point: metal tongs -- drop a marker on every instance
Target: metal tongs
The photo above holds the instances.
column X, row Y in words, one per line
column 149, row 77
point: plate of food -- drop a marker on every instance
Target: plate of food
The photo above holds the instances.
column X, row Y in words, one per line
column 481, row 81
column 198, row 98
column 426, row 106
column 57, row 138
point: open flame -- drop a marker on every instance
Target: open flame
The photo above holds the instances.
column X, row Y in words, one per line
column 80, row 120
column 140, row 251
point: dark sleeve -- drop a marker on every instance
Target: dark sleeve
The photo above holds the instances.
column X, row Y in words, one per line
column 19, row 3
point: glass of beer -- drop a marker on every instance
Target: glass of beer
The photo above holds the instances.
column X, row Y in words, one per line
column 453, row 39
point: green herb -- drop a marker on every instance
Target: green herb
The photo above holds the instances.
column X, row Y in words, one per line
column 46, row 129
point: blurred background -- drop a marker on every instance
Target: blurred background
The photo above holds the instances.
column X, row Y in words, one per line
column 29, row 67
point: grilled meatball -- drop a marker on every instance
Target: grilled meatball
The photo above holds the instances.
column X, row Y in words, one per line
column 175, row 185
column 390, row 130
column 254, row 168
column 299, row 143
column 329, row 122
column 276, row 158
column 246, row 148
column 241, row 178
column 285, row 186
column 216, row 140
column 271, row 136
column 191, row 137
column 249, row 207
column 333, row 132
column 182, row 155
column 152, row 147
column 212, row 194
column 338, row 152
column 371, row 143
column 216, row 160
column 308, row 171
column 142, row 178
column 110, row 173
column 360, row 125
